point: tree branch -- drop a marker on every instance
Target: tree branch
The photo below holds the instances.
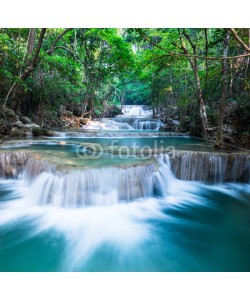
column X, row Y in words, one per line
column 52, row 47
column 239, row 40
column 172, row 53
column 76, row 57
column 35, row 60
column 190, row 41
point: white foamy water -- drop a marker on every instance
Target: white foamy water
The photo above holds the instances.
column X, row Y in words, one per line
column 137, row 110
column 110, row 212
column 135, row 117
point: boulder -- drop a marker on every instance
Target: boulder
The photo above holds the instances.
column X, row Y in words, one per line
column 18, row 132
column 72, row 124
column 25, row 120
column 84, row 121
column 8, row 112
column 41, row 132
column 171, row 125
column 172, row 122
column 30, row 126
column 18, row 124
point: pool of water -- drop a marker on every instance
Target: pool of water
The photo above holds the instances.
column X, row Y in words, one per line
column 70, row 154
column 135, row 219
column 179, row 143
column 104, row 151
column 195, row 227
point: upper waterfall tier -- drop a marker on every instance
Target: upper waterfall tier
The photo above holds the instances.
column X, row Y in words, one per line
column 97, row 132
column 137, row 110
column 134, row 117
column 124, row 123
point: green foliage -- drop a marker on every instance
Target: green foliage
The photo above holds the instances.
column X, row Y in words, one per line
column 93, row 68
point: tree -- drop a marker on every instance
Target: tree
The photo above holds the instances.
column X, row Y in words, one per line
column 34, row 60
column 219, row 141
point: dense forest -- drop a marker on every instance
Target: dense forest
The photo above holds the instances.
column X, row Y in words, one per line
column 199, row 76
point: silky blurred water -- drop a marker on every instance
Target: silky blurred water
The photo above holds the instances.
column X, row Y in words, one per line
column 194, row 227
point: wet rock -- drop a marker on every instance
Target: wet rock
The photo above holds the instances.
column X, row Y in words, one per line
column 111, row 112
column 12, row 163
column 84, row 121
column 10, row 171
column 72, row 124
column 64, row 112
column 30, row 126
column 8, row 112
column 18, row 132
column 170, row 125
column 25, row 120
column 39, row 131
column 18, row 124
column 5, row 128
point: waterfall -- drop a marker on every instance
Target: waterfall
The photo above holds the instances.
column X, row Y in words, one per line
column 136, row 110
column 100, row 186
column 124, row 123
column 142, row 124
column 11, row 163
column 135, row 117
column 35, row 167
column 211, row 167
column 48, row 185
column 105, row 124
column 112, row 185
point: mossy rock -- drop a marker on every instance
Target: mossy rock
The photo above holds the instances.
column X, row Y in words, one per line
column 9, row 112
column 40, row 132
column 18, row 132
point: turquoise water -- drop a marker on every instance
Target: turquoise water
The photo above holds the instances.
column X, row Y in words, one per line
column 178, row 226
column 72, row 155
column 179, row 143
column 105, row 151
column 194, row 228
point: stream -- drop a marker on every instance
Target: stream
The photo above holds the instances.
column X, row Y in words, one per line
column 123, row 200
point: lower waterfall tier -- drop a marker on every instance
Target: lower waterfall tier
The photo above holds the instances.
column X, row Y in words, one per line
column 211, row 167
column 50, row 185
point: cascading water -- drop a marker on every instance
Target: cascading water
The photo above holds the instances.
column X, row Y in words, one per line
column 137, row 110
column 139, row 218
column 211, row 167
column 141, row 124
column 96, row 186
column 11, row 162
column 112, row 185
column 135, row 117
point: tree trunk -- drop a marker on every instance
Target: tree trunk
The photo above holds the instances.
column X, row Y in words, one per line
column 219, row 139
column 202, row 108
column 30, row 45
column 33, row 63
column 30, row 67
column 201, row 103
column 194, row 65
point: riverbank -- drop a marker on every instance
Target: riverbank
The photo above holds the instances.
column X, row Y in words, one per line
column 65, row 123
